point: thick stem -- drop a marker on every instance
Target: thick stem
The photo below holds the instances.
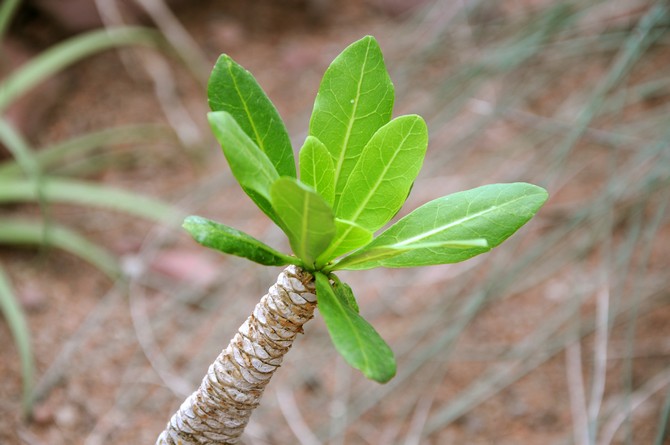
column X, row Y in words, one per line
column 218, row 411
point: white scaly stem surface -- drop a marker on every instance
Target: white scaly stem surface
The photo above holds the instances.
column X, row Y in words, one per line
column 219, row 410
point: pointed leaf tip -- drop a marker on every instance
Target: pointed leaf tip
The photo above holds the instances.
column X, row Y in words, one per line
column 233, row 89
column 354, row 338
column 451, row 229
column 228, row 240
column 354, row 100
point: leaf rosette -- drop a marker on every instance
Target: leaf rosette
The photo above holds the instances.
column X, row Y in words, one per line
column 356, row 169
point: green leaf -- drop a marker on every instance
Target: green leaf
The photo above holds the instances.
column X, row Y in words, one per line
column 369, row 258
column 250, row 166
column 439, row 232
column 379, row 183
column 307, row 218
column 348, row 236
column 233, row 89
column 317, row 168
column 229, row 240
column 354, row 338
column 354, row 100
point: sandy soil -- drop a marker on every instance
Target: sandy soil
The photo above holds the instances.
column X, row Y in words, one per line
column 114, row 359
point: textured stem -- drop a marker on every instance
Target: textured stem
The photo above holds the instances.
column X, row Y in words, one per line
column 218, row 411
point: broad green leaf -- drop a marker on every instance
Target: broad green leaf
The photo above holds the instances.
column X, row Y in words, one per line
column 250, row 166
column 354, row 100
column 317, row 168
column 348, row 237
column 307, row 219
column 491, row 212
column 229, row 240
column 354, row 338
column 379, row 183
column 233, row 89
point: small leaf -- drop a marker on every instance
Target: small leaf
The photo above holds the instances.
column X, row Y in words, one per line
column 317, row 168
column 348, row 236
column 380, row 182
column 354, row 338
column 233, row 89
column 447, row 229
column 354, row 100
column 250, row 166
column 307, row 218
column 226, row 239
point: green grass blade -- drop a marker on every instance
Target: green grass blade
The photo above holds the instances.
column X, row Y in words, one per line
column 19, row 148
column 84, row 193
column 13, row 313
column 28, row 232
column 7, row 10
column 663, row 422
column 52, row 156
column 64, row 54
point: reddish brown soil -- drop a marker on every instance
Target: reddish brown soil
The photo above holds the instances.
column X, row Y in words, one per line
column 115, row 359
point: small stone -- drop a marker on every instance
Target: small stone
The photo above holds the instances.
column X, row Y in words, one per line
column 66, row 416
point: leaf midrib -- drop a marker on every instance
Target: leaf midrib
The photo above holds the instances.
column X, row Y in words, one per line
column 259, row 140
column 305, row 221
column 455, row 223
column 380, row 178
column 263, row 171
column 351, row 324
column 347, row 135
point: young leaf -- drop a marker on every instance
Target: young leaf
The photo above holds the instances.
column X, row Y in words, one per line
column 354, row 100
column 250, row 166
column 228, row 240
column 354, row 338
column 491, row 212
column 308, row 219
column 317, row 169
column 348, row 236
column 380, row 181
column 233, row 89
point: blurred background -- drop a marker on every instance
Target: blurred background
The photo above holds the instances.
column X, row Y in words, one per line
column 111, row 314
